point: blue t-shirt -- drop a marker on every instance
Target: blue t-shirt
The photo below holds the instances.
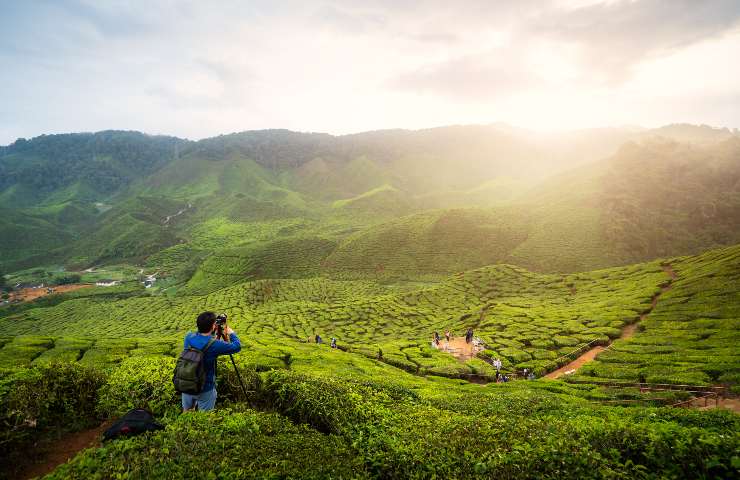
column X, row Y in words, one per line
column 219, row 347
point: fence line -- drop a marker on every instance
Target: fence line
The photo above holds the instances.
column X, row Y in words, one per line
column 719, row 390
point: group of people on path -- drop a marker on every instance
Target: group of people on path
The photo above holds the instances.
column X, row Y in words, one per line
column 500, row 377
column 469, row 338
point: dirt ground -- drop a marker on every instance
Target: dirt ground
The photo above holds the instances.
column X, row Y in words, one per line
column 577, row 363
column 29, row 294
column 725, row 403
column 62, row 450
column 458, row 348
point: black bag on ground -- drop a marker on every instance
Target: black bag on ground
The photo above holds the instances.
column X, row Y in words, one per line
column 134, row 422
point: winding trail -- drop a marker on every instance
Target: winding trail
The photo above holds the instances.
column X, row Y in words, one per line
column 180, row 212
column 627, row 332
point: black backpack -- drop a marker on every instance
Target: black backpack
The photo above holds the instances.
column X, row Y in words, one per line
column 134, row 422
column 190, row 371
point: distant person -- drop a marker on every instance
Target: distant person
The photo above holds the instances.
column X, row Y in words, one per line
column 497, row 364
column 436, row 338
column 447, row 335
column 530, row 376
column 318, row 339
column 212, row 348
column 469, row 335
column 525, row 373
column 333, row 342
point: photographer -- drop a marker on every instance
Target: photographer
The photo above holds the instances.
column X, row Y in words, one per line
column 207, row 327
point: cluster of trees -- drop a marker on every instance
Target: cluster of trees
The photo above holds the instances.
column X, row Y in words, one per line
column 105, row 160
column 5, row 289
column 661, row 197
column 68, row 279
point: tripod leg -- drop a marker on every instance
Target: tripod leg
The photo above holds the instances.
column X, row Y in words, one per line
column 238, row 375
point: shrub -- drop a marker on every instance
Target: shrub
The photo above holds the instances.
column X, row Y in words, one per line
column 140, row 382
column 221, row 444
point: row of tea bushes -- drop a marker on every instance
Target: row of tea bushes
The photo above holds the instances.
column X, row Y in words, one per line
column 692, row 334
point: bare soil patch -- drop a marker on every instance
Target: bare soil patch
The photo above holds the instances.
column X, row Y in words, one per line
column 458, row 348
column 63, row 450
column 29, row 294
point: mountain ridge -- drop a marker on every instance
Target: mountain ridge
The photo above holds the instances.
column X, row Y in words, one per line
column 115, row 205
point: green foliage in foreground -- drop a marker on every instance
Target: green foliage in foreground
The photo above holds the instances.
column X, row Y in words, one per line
column 392, row 425
column 223, row 444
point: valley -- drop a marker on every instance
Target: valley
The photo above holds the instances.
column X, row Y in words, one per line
column 613, row 276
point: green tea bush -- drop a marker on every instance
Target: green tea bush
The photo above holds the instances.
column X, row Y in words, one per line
column 221, row 444
column 328, row 405
column 227, row 383
column 509, row 433
column 140, row 382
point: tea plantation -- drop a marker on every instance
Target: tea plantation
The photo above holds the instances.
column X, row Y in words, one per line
column 386, row 404
column 692, row 334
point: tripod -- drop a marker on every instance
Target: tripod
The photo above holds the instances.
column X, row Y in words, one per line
column 220, row 335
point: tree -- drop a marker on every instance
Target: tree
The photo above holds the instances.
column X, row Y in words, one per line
column 4, row 287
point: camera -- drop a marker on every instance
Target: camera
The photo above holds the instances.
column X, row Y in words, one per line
column 221, row 319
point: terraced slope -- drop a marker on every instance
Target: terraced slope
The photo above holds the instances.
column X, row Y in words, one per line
column 692, row 334
column 530, row 320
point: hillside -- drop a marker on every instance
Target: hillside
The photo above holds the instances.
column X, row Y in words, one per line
column 530, row 320
column 386, row 398
column 406, row 203
column 651, row 199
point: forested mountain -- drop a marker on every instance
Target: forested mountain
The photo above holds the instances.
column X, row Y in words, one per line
column 565, row 202
column 79, row 166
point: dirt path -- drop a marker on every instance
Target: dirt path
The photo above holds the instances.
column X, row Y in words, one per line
column 577, row 363
column 627, row 332
column 458, row 348
column 29, row 294
column 726, row 403
column 62, row 450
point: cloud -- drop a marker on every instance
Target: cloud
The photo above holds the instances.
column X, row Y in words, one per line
column 470, row 78
column 347, row 20
column 615, row 36
column 196, row 69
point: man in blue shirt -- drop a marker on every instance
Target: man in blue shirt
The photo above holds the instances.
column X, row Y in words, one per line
column 206, row 400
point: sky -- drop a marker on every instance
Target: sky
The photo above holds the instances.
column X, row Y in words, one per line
column 197, row 69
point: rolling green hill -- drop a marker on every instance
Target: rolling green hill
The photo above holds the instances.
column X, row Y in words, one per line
column 386, row 398
column 530, row 320
column 406, row 203
column 652, row 199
